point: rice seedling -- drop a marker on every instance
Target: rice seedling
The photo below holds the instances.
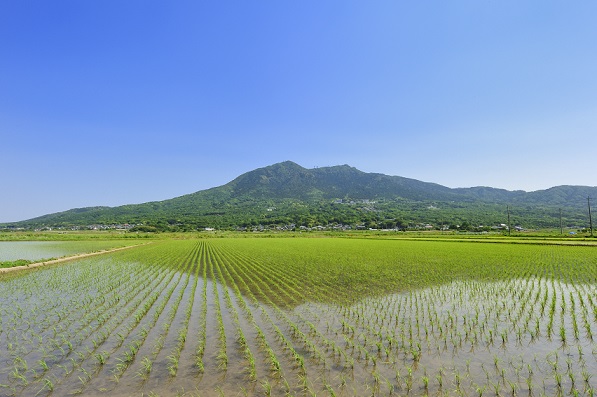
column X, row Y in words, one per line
column 48, row 385
column 101, row 357
column 146, row 366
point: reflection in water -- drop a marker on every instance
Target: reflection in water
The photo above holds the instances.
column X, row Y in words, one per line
column 192, row 320
column 498, row 338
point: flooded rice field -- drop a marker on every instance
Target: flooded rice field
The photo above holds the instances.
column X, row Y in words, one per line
column 201, row 318
column 37, row 250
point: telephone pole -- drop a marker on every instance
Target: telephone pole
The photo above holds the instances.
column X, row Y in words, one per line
column 561, row 228
column 509, row 228
column 590, row 220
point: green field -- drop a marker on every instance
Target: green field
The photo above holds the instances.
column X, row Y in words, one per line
column 305, row 316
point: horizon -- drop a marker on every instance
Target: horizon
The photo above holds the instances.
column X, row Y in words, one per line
column 281, row 162
column 123, row 103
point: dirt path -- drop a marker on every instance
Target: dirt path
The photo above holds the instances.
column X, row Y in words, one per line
column 63, row 259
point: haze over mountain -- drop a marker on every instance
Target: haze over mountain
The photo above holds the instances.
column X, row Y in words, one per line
column 286, row 193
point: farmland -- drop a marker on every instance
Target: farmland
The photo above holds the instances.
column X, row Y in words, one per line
column 304, row 316
column 15, row 253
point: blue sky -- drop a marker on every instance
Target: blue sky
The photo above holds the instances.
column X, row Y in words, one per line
column 118, row 102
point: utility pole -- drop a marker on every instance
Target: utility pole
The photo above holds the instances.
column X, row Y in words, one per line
column 509, row 228
column 590, row 220
column 561, row 229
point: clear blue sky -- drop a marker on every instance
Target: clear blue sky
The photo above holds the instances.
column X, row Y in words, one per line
column 118, row 102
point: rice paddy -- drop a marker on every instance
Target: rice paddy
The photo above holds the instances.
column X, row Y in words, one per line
column 12, row 252
column 304, row 317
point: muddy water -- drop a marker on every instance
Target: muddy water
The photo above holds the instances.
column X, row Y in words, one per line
column 34, row 250
column 31, row 250
column 522, row 336
column 471, row 338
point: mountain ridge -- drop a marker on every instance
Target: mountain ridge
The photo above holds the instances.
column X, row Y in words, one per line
column 287, row 192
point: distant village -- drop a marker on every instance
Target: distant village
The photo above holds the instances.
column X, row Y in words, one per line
column 367, row 205
column 344, row 227
column 287, row 227
column 121, row 227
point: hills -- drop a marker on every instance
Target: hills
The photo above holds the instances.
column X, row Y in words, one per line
column 286, row 193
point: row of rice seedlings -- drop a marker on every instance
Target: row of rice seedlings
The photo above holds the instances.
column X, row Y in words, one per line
column 132, row 347
column 272, row 358
column 523, row 310
column 505, row 333
column 253, row 274
column 78, row 338
column 422, row 323
column 499, row 311
column 288, row 287
column 381, row 345
column 118, row 329
column 25, row 316
column 373, row 347
column 336, row 351
column 335, row 348
column 181, row 338
column 39, row 306
column 46, row 356
column 129, row 354
column 95, row 316
column 49, row 357
column 202, row 333
column 250, row 370
column 327, row 344
column 147, row 363
column 222, row 355
column 517, row 343
column 261, row 338
column 241, row 339
column 451, row 330
column 65, row 331
column 398, row 259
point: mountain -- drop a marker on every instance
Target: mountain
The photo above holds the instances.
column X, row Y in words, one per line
column 286, row 193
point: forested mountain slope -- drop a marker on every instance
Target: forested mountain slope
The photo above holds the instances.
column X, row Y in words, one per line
column 286, row 193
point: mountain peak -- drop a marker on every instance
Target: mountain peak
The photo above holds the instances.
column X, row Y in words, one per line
column 286, row 165
column 286, row 190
